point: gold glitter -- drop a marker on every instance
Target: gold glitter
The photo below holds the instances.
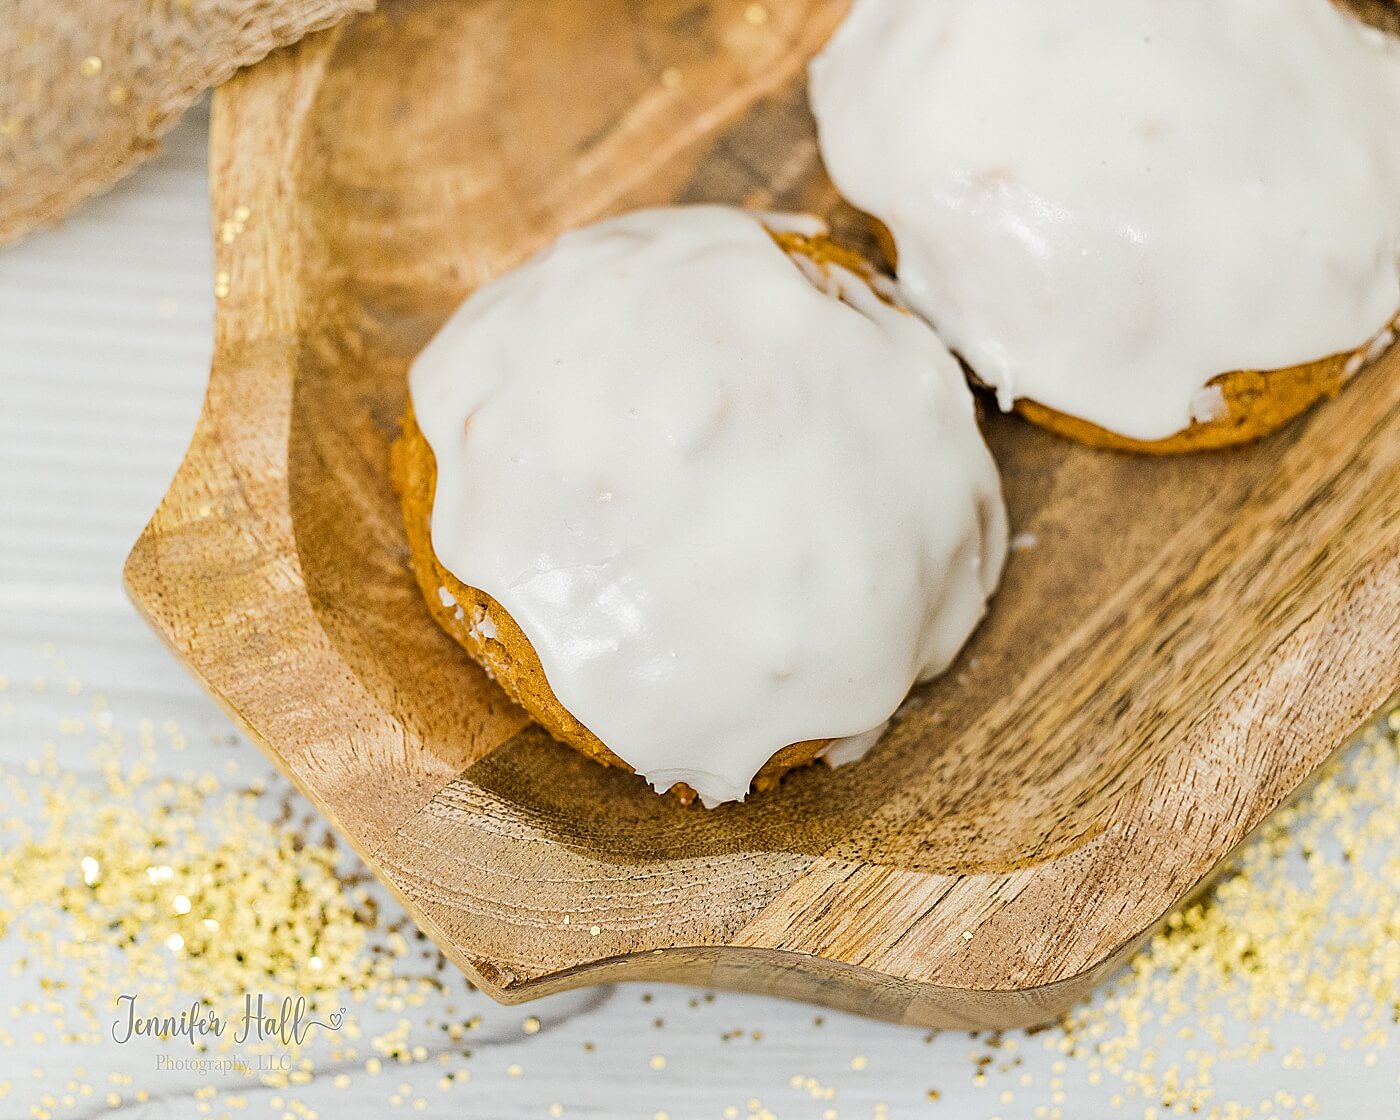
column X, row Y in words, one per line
column 171, row 886
column 531, row 1025
column 1269, row 942
column 658, row 1062
column 1301, row 925
column 231, row 228
column 859, row 1062
column 90, row 67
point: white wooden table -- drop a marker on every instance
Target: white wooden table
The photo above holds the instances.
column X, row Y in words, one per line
column 105, row 330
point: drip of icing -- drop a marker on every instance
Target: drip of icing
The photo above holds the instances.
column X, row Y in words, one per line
column 730, row 511
column 1104, row 204
column 845, row 752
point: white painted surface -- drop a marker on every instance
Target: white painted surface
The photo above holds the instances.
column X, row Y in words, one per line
column 104, row 347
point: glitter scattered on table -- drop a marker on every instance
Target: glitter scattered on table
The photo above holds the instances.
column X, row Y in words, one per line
column 125, row 870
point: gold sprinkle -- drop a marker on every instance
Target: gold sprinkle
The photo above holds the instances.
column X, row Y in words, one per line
column 118, row 95
column 513, row 1070
column 1292, row 929
column 756, row 14
column 90, row 67
column 531, row 1025
column 967, row 935
column 594, row 931
column 658, row 1062
column 859, row 1062
column 671, row 78
column 556, row 1109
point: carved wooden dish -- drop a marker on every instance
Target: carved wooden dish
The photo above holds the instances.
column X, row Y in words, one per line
column 1187, row 641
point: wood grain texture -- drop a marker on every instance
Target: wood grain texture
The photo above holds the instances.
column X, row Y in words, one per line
column 1187, row 641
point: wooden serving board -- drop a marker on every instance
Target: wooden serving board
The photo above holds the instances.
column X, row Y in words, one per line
column 1186, row 642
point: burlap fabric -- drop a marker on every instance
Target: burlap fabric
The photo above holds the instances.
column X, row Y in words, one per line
column 88, row 87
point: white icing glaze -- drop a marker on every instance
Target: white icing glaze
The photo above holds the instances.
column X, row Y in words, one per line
column 846, row 752
column 1103, row 204
column 730, row 511
column 485, row 628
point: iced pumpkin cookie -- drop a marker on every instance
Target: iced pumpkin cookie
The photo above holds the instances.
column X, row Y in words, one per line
column 699, row 495
column 1154, row 225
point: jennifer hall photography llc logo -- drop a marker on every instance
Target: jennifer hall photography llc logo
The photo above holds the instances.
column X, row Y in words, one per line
column 261, row 1021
